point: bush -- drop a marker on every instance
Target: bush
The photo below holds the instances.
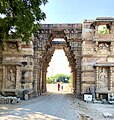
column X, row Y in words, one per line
column 50, row 79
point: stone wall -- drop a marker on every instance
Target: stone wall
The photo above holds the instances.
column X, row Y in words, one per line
column 97, row 56
column 89, row 49
column 87, row 76
column 16, row 68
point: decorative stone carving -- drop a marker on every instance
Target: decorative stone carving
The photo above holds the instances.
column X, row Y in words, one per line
column 103, row 78
column 102, row 46
column 11, row 77
column 12, row 45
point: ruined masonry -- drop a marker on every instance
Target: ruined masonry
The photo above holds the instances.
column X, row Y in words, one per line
column 89, row 48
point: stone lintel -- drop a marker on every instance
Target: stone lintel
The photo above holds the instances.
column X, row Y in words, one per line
column 27, row 69
column 5, row 91
column 26, row 46
column 103, row 40
column 16, row 55
column 100, row 91
column 104, row 64
column 87, row 70
column 88, row 82
column 16, row 64
column 12, row 40
column 110, row 55
column 60, row 26
column 87, row 56
column 104, row 18
column 10, row 90
column 75, row 40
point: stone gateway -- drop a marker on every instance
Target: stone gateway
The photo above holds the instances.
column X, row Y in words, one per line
column 89, row 48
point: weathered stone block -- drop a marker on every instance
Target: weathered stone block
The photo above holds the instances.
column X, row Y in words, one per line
column 87, row 67
column 88, row 60
column 87, row 34
column 88, row 76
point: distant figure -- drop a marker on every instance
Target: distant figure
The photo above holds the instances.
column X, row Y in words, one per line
column 58, row 86
column 61, row 87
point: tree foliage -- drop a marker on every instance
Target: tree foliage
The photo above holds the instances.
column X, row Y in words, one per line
column 51, row 79
column 21, row 18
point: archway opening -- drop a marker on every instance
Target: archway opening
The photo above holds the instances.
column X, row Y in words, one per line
column 59, row 69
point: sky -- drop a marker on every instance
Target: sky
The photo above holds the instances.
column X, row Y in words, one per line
column 75, row 11
column 58, row 64
column 72, row 11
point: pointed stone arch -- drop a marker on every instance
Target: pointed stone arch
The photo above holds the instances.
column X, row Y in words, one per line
column 44, row 46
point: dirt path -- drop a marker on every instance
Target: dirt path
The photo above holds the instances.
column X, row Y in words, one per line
column 54, row 106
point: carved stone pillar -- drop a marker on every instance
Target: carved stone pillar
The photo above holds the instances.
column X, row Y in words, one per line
column 3, row 86
column 74, row 81
column 39, row 79
column 18, row 85
column 44, row 80
column 110, row 84
column 35, row 81
column 97, row 77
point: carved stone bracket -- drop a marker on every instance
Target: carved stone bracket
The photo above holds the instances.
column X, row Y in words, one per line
column 102, row 46
column 12, row 45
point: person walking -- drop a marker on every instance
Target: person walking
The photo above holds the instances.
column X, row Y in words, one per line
column 62, row 86
column 58, row 86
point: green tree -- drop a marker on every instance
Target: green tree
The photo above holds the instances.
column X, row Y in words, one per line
column 50, row 79
column 62, row 78
column 21, row 18
column 59, row 78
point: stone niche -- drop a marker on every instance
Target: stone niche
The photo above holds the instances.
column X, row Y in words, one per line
column 11, row 79
column 27, row 73
column 103, row 82
column 26, row 79
column 11, row 46
column 103, row 79
column 102, row 48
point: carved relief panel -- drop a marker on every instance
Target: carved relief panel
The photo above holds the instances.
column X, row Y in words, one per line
column 103, row 48
column 10, row 77
column 12, row 45
column 103, row 79
column 1, row 78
